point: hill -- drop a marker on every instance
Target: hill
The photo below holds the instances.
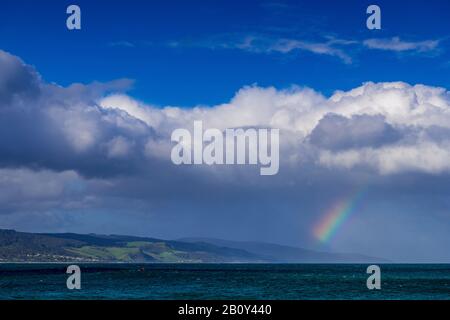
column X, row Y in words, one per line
column 71, row 247
column 287, row 254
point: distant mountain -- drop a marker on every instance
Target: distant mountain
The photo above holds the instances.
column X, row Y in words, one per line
column 286, row 254
column 71, row 247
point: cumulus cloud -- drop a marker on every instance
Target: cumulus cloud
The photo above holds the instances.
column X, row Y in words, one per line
column 45, row 126
column 118, row 147
column 378, row 124
column 386, row 127
column 17, row 80
column 425, row 157
column 338, row 132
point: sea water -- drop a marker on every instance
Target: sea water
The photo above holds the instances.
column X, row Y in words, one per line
column 224, row 281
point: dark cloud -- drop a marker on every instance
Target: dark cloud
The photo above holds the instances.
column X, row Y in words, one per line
column 17, row 80
column 44, row 126
column 336, row 132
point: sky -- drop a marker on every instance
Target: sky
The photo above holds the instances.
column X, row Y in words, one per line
column 364, row 117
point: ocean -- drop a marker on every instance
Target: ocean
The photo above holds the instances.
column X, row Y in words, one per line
column 225, row 281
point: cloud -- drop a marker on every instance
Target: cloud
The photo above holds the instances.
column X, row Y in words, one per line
column 87, row 156
column 427, row 157
column 335, row 132
column 85, row 129
column 276, row 5
column 50, row 127
column 384, row 117
column 118, row 147
column 322, row 48
column 24, row 189
column 329, row 46
column 398, row 45
column 125, row 44
column 343, row 49
column 17, row 80
column 378, row 124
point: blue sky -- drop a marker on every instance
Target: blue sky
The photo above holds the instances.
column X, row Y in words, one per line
column 86, row 118
column 185, row 52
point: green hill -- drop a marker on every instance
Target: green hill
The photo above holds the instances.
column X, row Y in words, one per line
column 71, row 247
column 31, row 247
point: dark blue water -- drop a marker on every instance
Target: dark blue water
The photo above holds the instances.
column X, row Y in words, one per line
column 219, row 281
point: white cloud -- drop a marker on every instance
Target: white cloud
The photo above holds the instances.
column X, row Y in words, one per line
column 398, row 138
column 427, row 157
column 327, row 45
column 322, row 48
column 396, row 44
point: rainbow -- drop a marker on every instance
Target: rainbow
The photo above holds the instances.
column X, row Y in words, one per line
column 327, row 227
